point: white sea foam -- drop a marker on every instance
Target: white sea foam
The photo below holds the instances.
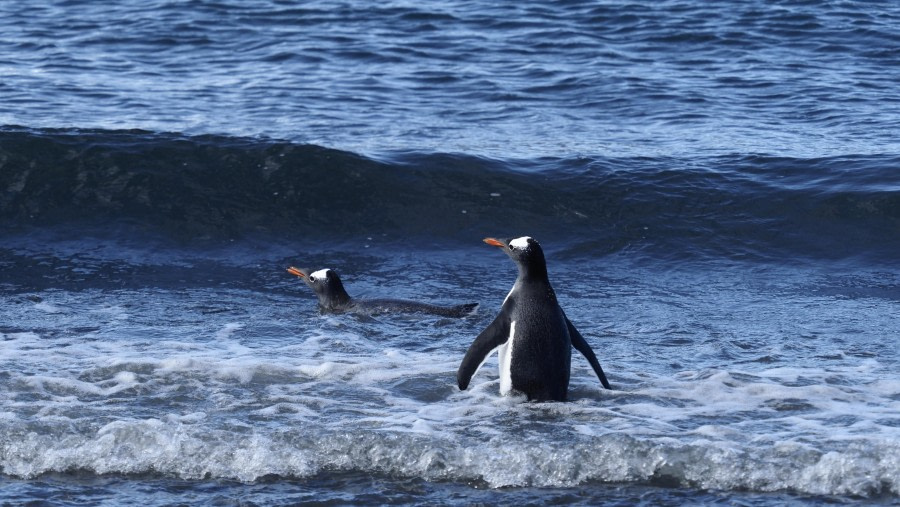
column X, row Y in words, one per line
column 27, row 336
column 241, row 396
column 186, row 448
column 228, row 330
column 47, row 307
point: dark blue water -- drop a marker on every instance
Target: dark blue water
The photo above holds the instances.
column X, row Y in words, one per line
column 717, row 188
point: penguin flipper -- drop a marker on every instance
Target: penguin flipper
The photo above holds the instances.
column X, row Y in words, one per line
column 581, row 345
column 492, row 337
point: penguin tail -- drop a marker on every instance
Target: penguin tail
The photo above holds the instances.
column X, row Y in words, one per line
column 457, row 310
column 466, row 309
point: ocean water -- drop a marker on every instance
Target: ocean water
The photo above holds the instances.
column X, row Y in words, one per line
column 716, row 187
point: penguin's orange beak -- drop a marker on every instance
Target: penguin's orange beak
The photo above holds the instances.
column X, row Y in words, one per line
column 294, row 271
column 493, row 242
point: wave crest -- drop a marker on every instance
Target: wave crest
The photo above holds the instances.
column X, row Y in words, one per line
column 178, row 448
column 223, row 188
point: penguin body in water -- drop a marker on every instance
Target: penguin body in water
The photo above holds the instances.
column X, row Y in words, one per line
column 333, row 298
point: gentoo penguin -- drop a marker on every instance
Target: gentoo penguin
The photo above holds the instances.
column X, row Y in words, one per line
column 533, row 336
column 334, row 299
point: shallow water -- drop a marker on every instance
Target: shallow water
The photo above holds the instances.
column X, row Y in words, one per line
column 716, row 189
column 732, row 377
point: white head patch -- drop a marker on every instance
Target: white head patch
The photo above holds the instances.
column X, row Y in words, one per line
column 321, row 274
column 520, row 243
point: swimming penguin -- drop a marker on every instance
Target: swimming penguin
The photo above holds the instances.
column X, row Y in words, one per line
column 533, row 336
column 334, row 299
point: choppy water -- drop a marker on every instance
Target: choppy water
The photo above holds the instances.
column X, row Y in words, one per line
column 798, row 78
column 716, row 188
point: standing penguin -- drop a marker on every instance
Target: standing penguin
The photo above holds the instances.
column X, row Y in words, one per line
column 533, row 336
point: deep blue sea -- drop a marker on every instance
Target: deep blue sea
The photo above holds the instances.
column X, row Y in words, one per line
column 716, row 186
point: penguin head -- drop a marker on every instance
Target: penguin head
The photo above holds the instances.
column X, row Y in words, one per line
column 524, row 250
column 325, row 282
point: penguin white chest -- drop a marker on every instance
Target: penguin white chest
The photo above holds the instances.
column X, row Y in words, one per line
column 505, row 353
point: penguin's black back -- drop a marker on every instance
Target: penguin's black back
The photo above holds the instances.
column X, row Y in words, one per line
column 333, row 298
column 377, row 306
column 541, row 347
column 532, row 334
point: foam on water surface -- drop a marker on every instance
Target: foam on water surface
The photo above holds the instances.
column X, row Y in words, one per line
column 229, row 388
column 715, row 185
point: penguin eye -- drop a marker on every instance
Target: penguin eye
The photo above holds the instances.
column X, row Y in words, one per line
column 509, row 246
